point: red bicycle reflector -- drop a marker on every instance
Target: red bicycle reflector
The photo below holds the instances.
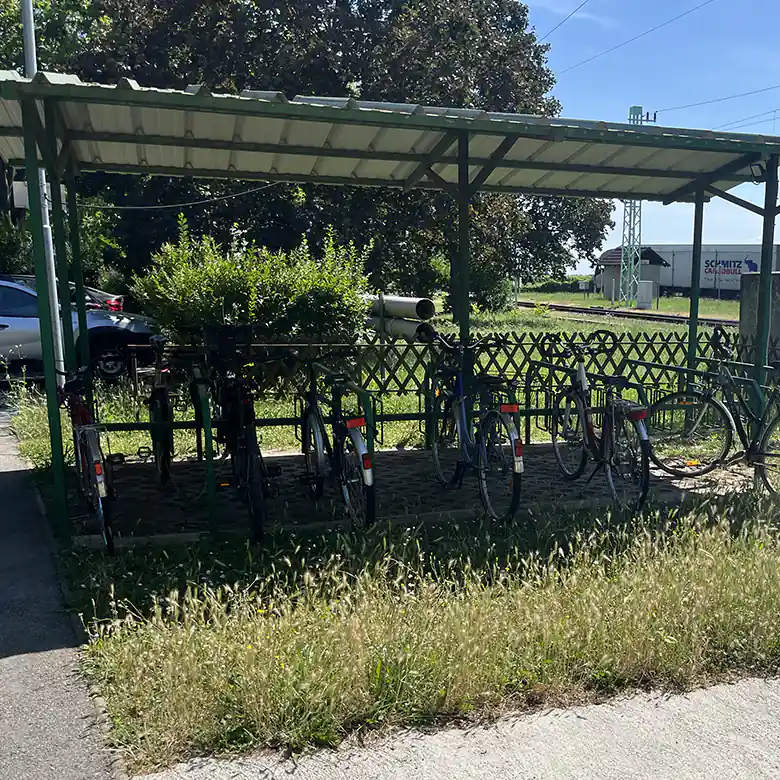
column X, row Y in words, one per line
column 99, row 468
column 518, row 448
column 356, row 422
column 637, row 414
column 368, row 463
column 509, row 407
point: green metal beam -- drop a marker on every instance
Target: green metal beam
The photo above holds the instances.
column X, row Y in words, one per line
column 497, row 161
column 77, row 268
column 723, row 172
column 693, row 316
column 464, row 248
column 764, row 320
column 58, row 232
column 543, row 128
column 203, row 173
column 30, row 119
column 447, row 186
column 737, row 201
column 435, row 155
column 34, row 119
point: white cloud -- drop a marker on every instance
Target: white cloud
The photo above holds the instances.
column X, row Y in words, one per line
column 565, row 7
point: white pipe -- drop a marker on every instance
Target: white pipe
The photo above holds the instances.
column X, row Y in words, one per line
column 30, row 69
column 408, row 329
column 400, row 306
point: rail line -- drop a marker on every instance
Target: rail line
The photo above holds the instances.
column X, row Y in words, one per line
column 629, row 315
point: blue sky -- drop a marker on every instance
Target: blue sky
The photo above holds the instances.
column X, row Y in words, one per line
column 725, row 48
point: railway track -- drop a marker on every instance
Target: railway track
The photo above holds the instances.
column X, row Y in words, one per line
column 649, row 316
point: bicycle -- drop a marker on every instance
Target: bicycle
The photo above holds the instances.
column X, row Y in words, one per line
column 92, row 467
column 349, row 462
column 161, row 413
column 492, row 441
column 235, row 425
column 622, row 448
column 692, row 430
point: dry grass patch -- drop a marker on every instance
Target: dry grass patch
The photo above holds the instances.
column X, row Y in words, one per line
column 310, row 652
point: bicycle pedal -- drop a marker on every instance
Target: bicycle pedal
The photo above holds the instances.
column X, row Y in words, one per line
column 223, row 485
column 115, row 459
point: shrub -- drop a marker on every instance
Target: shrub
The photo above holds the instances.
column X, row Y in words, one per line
column 291, row 296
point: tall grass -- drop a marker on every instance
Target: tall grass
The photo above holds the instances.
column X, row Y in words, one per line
column 311, row 651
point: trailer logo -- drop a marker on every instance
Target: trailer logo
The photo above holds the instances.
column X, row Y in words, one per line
column 729, row 267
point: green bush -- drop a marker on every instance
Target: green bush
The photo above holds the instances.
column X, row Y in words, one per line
column 290, row 297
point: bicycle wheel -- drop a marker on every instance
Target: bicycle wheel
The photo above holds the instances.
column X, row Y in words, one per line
column 446, row 442
column 314, row 456
column 499, row 484
column 254, row 479
column 103, row 514
column 769, row 454
column 359, row 498
column 627, row 464
column 690, row 434
column 568, row 435
column 162, row 438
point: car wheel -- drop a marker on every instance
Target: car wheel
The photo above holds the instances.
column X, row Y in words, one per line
column 111, row 364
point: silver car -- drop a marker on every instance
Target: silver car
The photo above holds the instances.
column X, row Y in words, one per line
column 109, row 332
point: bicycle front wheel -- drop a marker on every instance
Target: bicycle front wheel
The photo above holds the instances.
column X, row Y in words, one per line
column 446, row 443
column 690, row 434
column 628, row 462
column 314, row 455
column 162, row 437
column 568, row 435
column 359, row 497
column 499, row 483
column 769, row 454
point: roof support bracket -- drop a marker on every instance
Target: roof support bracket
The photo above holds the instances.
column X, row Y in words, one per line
column 737, row 201
column 703, row 182
column 434, row 156
column 447, row 186
column 496, row 157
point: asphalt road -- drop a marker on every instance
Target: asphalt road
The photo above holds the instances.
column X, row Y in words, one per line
column 730, row 732
column 48, row 727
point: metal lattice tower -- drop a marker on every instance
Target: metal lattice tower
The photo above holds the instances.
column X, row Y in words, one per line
column 631, row 249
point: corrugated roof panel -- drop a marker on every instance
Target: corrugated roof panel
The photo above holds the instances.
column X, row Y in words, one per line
column 195, row 131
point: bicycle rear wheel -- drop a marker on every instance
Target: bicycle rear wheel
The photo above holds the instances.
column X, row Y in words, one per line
column 162, row 438
column 568, row 435
column 499, row 483
column 359, row 498
column 627, row 466
column 690, row 434
column 103, row 514
column 255, row 480
column 446, row 448
column 313, row 437
column 769, row 453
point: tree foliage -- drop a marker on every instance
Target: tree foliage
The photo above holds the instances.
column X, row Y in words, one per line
column 469, row 53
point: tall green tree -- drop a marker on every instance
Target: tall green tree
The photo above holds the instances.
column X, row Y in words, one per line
column 469, row 53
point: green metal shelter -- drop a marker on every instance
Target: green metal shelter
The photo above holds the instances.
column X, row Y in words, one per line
column 71, row 127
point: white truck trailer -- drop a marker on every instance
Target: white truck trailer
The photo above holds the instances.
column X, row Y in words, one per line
column 722, row 266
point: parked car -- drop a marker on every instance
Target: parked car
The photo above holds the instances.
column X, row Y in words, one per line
column 109, row 329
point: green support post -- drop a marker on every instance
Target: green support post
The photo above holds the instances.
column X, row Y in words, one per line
column 60, row 251
column 464, row 259
column 693, row 317
column 77, row 268
column 764, row 321
column 29, row 117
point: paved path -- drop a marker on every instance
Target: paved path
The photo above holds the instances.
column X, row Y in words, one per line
column 730, row 732
column 47, row 720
